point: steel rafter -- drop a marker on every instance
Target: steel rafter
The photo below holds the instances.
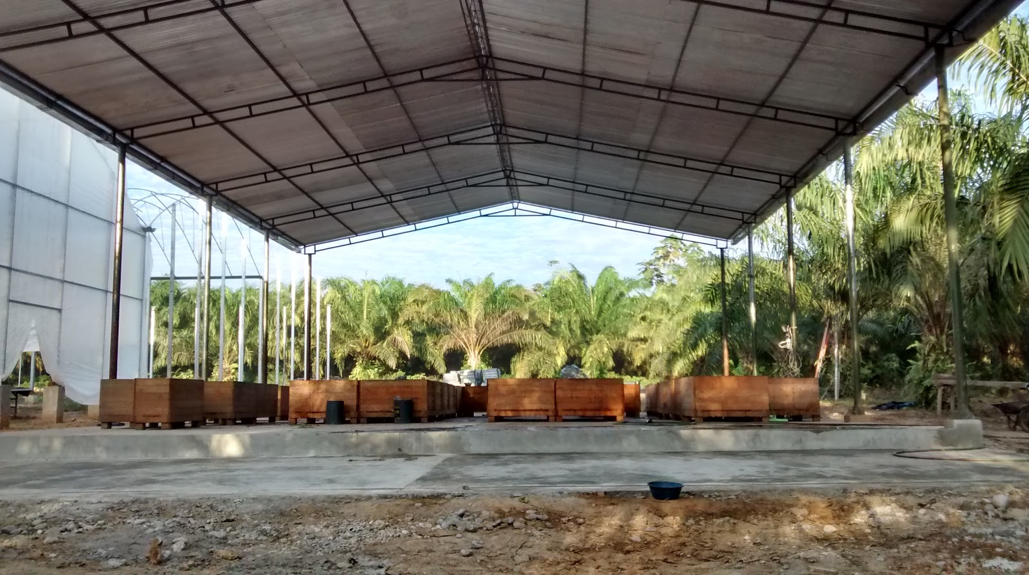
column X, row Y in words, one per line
column 474, row 15
column 771, row 92
column 501, row 179
column 517, row 71
column 112, row 21
column 857, row 20
column 486, row 136
column 446, row 72
column 396, row 94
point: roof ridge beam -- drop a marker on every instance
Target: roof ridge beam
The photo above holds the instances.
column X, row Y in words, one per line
column 113, row 21
column 518, row 71
column 845, row 18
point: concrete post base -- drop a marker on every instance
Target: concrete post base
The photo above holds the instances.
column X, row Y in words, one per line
column 962, row 434
column 53, row 404
column 6, row 410
column 93, row 412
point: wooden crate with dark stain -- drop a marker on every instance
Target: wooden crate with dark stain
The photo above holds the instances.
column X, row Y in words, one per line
column 655, row 400
column 721, row 396
column 283, row 401
column 633, row 401
column 229, row 401
column 794, row 397
column 307, row 398
column 117, row 401
column 169, row 402
column 267, row 404
column 521, row 398
column 473, row 400
column 377, row 397
column 590, row 398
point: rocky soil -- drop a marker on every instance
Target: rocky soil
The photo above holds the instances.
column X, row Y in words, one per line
column 898, row 532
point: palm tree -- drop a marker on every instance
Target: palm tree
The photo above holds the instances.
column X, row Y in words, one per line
column 369, row 326
column 474, row 317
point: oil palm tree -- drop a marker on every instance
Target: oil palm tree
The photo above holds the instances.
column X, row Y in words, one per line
column 369, row 324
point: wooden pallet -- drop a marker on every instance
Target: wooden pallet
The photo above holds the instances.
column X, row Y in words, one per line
column 521, row 398
column 600, row 398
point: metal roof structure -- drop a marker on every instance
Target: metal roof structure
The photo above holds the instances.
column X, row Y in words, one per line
column 318, row 120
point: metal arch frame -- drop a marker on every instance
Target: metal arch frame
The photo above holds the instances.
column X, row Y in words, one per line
column 519, row 178
column 511, row 209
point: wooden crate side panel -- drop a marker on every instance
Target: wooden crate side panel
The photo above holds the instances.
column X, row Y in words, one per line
column 246, row 400
column 377, row 396
column 117, row 400
column 733, row 396
column 590, row 397
column 633, row 399
column 793, row 396
column 221, row 399
column 307, row 398
column 520, row 397
column 283, row 401
column 685, row 397
column 267, row 400
column 169, row 400
column 473, row 400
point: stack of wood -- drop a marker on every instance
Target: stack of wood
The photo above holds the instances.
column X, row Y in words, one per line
column 164, row 402
column 555, row 399
column 748, row 397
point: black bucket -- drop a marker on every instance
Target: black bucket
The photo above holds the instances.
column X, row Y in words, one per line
column 334, row 413
column 403, row 410
column 665, row 490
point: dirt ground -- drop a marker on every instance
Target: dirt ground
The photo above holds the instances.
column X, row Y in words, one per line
column 875, row 532
column 29, row 417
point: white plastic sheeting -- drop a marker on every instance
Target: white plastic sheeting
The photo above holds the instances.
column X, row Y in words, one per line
column 57, row 203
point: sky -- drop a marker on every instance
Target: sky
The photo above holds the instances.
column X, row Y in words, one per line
column 520, row 249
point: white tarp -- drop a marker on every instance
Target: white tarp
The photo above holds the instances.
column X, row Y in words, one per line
column 57, row 203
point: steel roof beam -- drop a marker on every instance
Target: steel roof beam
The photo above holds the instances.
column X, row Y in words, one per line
column 517, row 71
column 501, row 179
column 445, row 72
column 856, row 20
column 486, row 136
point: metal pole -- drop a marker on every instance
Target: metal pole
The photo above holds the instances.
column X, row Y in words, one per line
column 308, row 300
column 171, row 297
column 207, row 287
column 262, row 326
column 32, row 370
column 240, row 330
column 753, row 297
column 153, row 338
column 280, row 323
column 221, row 313
column 317, row 327
column 725, row 320
column 119, row 232
column 293, row 318
column 197, row 311
column 328, row 340
column 21, row 366
column 953, row 241
column 855, row 349
column 284, row 339
column 791, row 277
column 836, row 360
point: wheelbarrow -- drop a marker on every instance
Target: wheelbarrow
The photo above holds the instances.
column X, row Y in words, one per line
column 1017, row 414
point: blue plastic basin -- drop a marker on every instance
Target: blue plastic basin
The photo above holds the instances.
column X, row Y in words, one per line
column 665, row 490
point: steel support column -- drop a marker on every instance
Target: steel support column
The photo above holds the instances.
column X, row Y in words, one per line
column 791, row 275
column 855, row 348
column 241, row 329
column 207, row 287
column 262, row 325
column 307, row 320
column 753, row 298
column 221, row 301
column 725, row 318
column 953, row 241
column 119, row 233
column 197, row 310
column 171, row 297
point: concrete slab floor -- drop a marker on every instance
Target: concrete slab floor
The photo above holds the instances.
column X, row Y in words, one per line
column 490, row 474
